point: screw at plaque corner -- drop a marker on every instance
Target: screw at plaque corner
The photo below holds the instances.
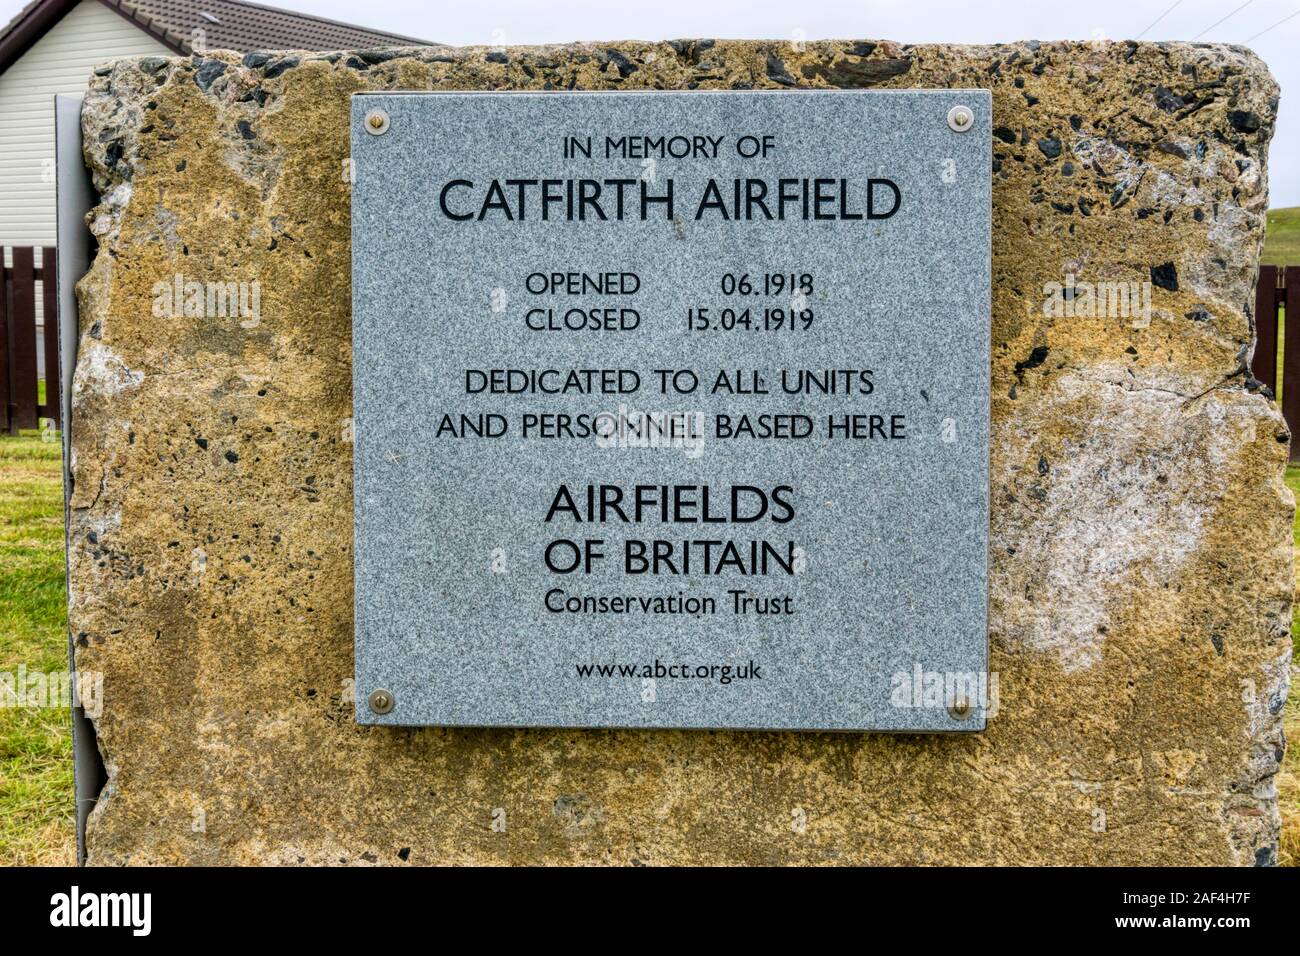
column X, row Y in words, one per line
column 377, row 122
column 960, row 118
column 381, row 701
column 960, row 708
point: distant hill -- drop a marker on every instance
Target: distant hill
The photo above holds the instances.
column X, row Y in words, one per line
column 1282, row 246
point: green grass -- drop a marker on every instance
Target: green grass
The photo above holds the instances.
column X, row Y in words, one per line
column 1281, row 354
column 1282, row 246
column 1288, row 782
column 36, row 803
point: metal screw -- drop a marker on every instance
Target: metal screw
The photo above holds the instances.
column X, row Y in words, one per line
column 377, row 122
column 381, row 701
column 960, row 118
column 960, row 708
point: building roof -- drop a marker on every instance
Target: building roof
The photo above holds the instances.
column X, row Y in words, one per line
column 226, row 25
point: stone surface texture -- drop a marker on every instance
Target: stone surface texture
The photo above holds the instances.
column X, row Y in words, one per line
column 871, row 515
column 1140, row 556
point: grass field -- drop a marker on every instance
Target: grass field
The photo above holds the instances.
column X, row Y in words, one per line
column 36, row 811
column 1288, row 781
column 1282, row 248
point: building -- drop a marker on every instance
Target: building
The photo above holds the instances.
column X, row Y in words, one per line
column 53, row 46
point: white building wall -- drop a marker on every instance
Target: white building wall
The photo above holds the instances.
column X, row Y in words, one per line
column 60, row 62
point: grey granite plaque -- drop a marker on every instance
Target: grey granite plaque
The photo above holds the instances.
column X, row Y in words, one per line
column 672, row 409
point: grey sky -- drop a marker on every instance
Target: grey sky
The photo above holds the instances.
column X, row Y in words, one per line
column 924, row 21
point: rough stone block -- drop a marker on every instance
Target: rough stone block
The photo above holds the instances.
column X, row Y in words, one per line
column 1140, row 556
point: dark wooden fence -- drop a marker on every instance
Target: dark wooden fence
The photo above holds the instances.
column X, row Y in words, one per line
column 1278, row 290
column 19, row 377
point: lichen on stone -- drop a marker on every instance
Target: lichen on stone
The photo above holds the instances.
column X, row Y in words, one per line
column 1140, row 566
